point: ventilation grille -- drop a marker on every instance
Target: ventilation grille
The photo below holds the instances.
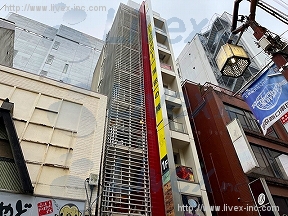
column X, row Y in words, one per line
column 9, row 178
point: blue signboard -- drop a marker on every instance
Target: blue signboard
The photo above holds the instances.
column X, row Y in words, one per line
column 268, row 97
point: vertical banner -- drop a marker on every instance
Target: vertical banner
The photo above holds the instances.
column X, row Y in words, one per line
column 168, row 198
column 268, row 97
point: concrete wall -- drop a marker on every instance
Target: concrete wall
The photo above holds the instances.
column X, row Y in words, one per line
column 60, row 129
column 7, row 34
column 97, row 75
column 194, row 64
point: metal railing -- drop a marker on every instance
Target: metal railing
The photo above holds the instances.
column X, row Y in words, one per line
column 159, row 29
column 208, row 85
column 166, row 66
column 177, row 126
column 171, row 93
column 162, row 46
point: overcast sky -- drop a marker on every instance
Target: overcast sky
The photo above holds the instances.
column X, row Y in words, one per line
column 95, row 19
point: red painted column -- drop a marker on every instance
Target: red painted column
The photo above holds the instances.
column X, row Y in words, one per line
column 156, row 191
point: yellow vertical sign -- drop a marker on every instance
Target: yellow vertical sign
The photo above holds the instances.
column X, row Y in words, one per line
column 168, row 196
column 157, row 101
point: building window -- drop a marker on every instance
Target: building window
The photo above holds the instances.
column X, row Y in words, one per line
column 170, row 114
column 43, row 73
column 247, row 120
column 65, row 68
column 56, row 45
column 177, row 158
column 271, row 132
column 49, row 59
column 271, row 162
column 282, row 203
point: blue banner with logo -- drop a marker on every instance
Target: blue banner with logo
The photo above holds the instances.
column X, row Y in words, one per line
column 268, row 97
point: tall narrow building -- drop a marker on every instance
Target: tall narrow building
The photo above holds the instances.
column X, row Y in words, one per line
column 125, row 177
column 150, row 164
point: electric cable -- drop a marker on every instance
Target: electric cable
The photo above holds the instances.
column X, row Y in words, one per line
column 172, row 120
column 88, row 199
column 284, row 2
column 285, row 5
column 95, row 199
column 263, row 50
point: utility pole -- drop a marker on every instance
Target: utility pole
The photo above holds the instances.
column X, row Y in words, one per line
column 271, row 44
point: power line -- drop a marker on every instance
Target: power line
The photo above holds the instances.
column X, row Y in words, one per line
column 284, row 2
column 281, row 3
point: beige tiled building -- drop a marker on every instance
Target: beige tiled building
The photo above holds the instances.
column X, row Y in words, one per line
column 60, row 130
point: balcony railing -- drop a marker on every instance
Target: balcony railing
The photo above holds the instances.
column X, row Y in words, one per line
column 176, row 126
column 162, row 46
column 171, row 93
column 159, row 29
column 166, row 66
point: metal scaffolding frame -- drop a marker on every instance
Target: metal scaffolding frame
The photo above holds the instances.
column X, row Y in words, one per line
column 125, row 177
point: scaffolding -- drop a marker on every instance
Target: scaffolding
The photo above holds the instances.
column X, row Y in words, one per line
column 125, row 177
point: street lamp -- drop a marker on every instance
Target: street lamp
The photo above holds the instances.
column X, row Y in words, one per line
column 232, row 60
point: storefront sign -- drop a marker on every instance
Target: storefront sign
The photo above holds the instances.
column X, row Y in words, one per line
column 262, row 198
column 17, row 204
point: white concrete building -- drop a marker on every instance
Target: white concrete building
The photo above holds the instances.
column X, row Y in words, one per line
column 197, row 62
column 176, row 147
column 60, row 136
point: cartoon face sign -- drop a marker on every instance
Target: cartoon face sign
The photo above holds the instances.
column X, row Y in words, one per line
column 69, row 210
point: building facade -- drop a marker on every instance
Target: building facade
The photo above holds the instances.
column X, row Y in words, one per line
column 7, row 34
column 63, row 54
column 197, row 61
column 233, row 165
column 51, row 137
column 150, row 164
column 125, row 175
